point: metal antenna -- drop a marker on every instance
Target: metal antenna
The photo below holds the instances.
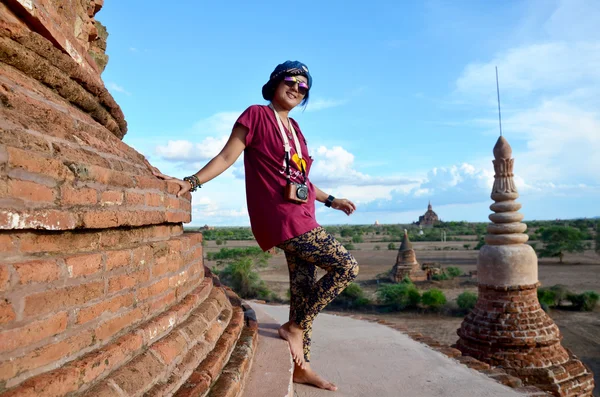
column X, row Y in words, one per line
column 498, row 91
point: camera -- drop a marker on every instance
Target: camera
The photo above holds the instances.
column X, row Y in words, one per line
column 296, row 193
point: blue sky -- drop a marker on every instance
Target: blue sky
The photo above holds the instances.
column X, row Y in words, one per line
column 403, row 104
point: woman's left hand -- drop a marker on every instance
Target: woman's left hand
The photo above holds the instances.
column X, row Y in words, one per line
column 344, row 205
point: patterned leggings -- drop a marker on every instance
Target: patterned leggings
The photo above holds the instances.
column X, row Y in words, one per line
column 308, row 295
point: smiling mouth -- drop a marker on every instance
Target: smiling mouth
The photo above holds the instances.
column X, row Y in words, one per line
column 291, row 95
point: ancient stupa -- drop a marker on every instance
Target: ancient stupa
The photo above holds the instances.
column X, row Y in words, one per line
column 508, row 328
column 101, row 291
column 406, row 263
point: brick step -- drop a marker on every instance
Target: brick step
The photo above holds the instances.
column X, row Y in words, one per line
column 272, row 367
column 64, row 306
column 169, row 362
column 202, row 308
column 233, row 378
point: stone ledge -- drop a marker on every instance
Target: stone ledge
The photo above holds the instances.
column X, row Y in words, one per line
column 272, row 368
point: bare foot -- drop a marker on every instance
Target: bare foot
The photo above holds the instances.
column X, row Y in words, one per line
column 291, row 332
column 310, row 377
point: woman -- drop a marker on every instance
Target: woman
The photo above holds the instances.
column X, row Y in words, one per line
column 281, row 205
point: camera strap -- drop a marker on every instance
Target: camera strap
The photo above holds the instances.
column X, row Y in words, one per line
column 286, row 145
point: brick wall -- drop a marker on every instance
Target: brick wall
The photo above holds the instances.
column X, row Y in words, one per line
column 101, row 291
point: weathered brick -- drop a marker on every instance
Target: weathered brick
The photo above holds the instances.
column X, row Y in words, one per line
column 6, row 244
column 7, row 314
column 170, row 347
column 100, row 219
column 115, row 259
column 30, row 191
column 108, row 306
column 117, row 324
column 160, row 304
column 154, row 289
column 33, row 242
column 33, row 332
column 41, row 271
column 137, row 374
column 132, row 198
column 35, row 163
column 142, row 256
column 4, row 277
column 108, row 358
column 130, row 280
column 150, row 182
column 154, row 200
column 52, row 300
column 177, row 217
column 84, row 265
column 49, row 219
column 196, row 385
column 173, row 203
column 53, row 384
column 45, row 355
column 111, row 197
column 82, row 196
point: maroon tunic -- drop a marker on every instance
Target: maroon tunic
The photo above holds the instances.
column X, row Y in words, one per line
column 272, row 219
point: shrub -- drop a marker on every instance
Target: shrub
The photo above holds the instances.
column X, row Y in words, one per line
column 219, row 241
column 399, row 296
column 453, row 271
column 480, row 244
column 467, row 300
column 466, row 246
column 585, row 302
column 357, row 238
column 391, row 246
column 433, row 298
column 352, row 297
column 377, row 248
column 440, row 277
column 561, row 293
column 244, row 280
column 349, row 246
column 546, row 297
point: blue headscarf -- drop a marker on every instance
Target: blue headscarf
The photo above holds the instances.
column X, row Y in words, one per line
column 288, row 68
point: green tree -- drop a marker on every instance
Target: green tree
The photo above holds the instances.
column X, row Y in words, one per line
column 433, row 298
column 391, row 246
column 467, row 300
column 559, row 240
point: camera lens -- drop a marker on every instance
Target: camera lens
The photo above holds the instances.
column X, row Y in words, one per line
column 302, row 192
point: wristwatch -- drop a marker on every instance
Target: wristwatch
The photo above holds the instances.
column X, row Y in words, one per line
column 329, row 201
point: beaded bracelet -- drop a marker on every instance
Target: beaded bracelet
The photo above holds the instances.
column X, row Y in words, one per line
column 194, row 181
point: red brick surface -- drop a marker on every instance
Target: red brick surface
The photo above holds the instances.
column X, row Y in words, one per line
column 509, row 329
column 100, row 290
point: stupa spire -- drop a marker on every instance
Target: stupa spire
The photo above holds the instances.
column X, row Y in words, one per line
column 508, row 327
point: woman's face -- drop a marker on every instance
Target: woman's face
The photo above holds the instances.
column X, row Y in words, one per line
column 289, row 97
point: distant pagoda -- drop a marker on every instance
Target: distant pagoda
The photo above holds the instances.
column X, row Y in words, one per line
column 429, row 218
column 406, row 263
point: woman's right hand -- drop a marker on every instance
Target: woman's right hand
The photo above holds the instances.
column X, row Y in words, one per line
column 184, row 186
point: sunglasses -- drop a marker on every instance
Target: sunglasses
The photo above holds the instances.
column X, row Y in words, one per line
column 291, row 81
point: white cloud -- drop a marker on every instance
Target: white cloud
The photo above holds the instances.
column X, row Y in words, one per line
column 117, row 88
column 215, row 131
column 205, row 207
column 335, row 166
column 186, row 151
